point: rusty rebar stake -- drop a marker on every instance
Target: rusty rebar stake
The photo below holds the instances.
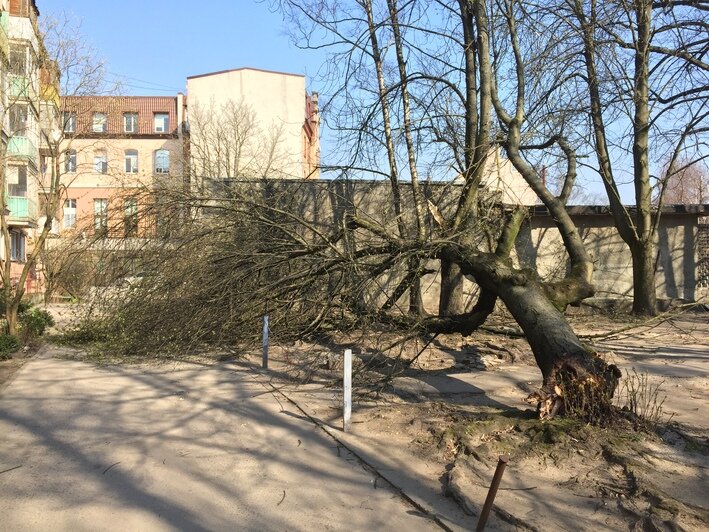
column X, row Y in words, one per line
column 496, row 479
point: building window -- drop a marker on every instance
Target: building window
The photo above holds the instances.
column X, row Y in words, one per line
column 69, row 121
column 17, row 246
column 130, row 122
column 70, row 161
column 162, row 122
column 131, row 161
column 130, row 217
column 100, row 123
column 17, row 181
column 101, row 216
column 162, row 162
column 18, row 120
column 69, row 213
column 101, row 162
column 18, row 59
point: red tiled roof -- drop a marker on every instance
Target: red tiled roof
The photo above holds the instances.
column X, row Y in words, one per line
column 115, row 106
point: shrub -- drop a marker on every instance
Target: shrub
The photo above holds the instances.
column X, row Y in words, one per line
column 35, row 321
column 8, row 345
column 642, row 398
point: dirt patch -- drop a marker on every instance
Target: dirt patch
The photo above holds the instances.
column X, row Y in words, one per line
column 637, row 476
column 448, row 408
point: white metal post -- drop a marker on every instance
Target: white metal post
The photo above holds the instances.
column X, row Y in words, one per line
column 347, row 389
column 265, row 342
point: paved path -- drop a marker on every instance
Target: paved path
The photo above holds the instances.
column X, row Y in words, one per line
column 184, row 447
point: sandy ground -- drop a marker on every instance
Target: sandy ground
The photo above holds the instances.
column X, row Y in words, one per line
column 566, row 489
column 179, row 447
column 214, row 446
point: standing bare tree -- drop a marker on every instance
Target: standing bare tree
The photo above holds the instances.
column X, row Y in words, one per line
column 688, row 184
column 227, row 141
column 642, row 98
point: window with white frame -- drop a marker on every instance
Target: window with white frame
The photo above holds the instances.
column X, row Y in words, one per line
column 162, row 122
column 69, row 121
column 162, row 162
column 70, row 161
column 101, row 216
column 17, row 246
column 130, row 122
column 19, row 120
column 69, row 213
column 99, row 123
column 17, row 181
column 19, row 64
column 131, row 158
column 101, row 162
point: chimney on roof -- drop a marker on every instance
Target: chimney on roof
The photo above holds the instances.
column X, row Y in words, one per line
column 180, row 114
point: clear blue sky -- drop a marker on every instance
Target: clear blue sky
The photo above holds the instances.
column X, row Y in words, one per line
column 155, row 44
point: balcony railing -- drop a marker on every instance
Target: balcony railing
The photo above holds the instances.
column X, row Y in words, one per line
column 21, row 87
column 22, row 210
column 22, row 147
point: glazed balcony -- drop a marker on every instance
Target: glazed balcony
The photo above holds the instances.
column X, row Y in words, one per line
column 22, row 148
column 22, row 210
column 21, row 87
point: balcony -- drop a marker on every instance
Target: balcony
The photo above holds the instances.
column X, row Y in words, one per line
column 50, row 94
column 21, row 87
column 4, row 41
column 22, row 210
column 22, row 148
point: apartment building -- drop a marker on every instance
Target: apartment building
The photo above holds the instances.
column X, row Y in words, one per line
column 117, row 147
column 28, row 101
column 115, row 150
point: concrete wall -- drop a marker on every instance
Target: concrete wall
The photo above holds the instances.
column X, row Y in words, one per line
column 703, row 260
column 324, row 204
column 541, row 247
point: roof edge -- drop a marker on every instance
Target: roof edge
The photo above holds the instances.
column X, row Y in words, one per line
column 698, row 209
column 245, row 68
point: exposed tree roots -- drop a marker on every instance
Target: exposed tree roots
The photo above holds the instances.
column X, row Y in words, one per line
column 577, row 386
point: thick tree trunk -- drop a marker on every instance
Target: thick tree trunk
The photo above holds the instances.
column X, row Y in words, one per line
column 11, row 311
column 415, row 299
column 549, row 334
column 451, row 301
column 644, row 297
column 577, row 382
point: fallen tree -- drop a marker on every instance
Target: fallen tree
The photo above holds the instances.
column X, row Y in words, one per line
column 271, row 246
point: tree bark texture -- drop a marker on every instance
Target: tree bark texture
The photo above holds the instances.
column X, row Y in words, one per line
column 452, row 300
column 644, row 299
